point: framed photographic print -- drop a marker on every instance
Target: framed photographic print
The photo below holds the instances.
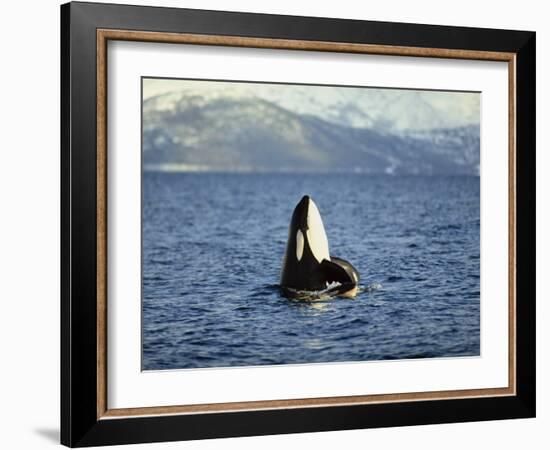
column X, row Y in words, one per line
column 276, row 224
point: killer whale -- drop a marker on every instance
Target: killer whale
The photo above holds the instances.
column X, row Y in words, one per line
column 307, row 264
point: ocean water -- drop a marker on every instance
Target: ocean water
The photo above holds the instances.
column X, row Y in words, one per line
column 213, row 245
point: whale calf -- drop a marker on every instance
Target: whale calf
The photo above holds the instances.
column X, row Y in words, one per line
column 307, row 264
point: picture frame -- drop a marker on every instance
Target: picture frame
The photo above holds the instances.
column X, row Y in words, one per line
column 86, row 29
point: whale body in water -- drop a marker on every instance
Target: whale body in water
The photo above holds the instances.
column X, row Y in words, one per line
column 307, row 264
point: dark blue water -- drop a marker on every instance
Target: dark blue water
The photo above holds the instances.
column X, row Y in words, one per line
column 212, row 251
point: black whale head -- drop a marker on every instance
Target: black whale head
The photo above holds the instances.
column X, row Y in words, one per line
column 299, row 216
column 307, row 245
column 307, row 264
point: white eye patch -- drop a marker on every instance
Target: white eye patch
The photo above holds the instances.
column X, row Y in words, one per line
column 299, row 245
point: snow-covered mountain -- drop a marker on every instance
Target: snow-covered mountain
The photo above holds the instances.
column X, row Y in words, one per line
column 391, row 109
column 239, row 128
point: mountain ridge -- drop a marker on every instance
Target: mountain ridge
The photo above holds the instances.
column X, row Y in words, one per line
column 233, row 133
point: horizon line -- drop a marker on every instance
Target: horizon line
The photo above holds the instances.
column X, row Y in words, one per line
column 176, row 168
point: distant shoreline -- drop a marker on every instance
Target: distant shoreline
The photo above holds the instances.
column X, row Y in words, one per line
column 176, row 168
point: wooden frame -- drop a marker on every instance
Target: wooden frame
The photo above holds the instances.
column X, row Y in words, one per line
column 86, row 418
